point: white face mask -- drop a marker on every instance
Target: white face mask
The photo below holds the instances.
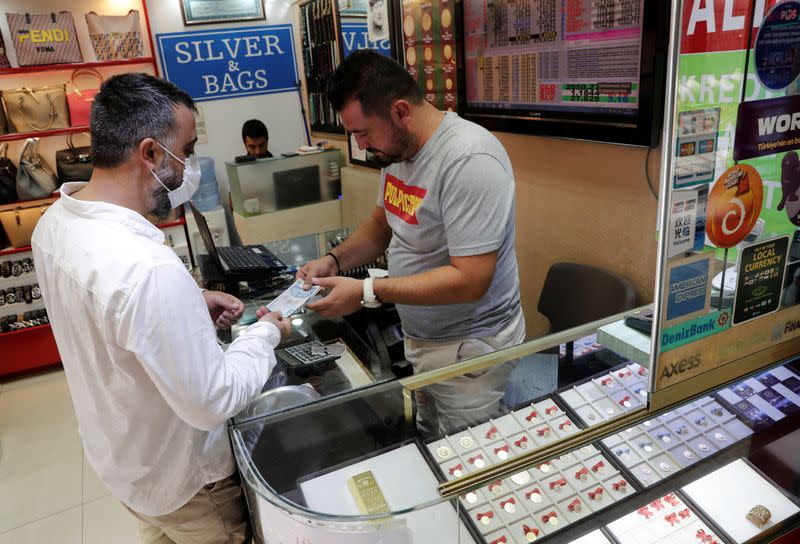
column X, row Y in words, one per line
column 191, row 179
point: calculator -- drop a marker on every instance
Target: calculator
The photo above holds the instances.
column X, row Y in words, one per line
column 310, row 353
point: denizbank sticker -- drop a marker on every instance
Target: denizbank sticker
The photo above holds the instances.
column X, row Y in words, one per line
column 695, row 329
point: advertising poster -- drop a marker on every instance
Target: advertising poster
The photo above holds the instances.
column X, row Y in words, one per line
column 683, row 221
column 695, row 154
column 711, row 73
column 355, row 37
column 734, row 205
column 778, row 45
column 430, row 49
column 760, row 283
column 688, row 289
column 767, row 127
column 695, row 329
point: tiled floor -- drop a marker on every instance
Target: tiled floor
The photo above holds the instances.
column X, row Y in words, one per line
column 48, row 493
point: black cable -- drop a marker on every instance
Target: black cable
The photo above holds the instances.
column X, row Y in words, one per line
column 647, row 173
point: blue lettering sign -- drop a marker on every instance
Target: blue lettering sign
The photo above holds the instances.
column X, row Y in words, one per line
column 211, row 65
column 356, row 37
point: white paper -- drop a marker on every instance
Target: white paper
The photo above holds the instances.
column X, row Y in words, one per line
column 291, row 300
column 727, row 495
column 683, row 218
column 378, row 20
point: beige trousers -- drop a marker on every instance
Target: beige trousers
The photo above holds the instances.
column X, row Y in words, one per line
column 464, row 400
column 216, row 515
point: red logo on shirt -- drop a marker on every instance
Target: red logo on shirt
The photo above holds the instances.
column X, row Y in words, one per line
column 402, row 200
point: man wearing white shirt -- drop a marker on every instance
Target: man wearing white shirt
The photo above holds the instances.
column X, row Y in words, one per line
column 152, row 389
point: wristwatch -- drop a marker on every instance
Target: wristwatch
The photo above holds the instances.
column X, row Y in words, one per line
column 369, row 299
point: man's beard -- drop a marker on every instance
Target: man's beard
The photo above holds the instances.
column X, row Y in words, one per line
column 399, row 151
column 169, row 177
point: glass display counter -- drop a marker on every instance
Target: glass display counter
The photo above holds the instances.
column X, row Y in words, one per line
column 558, row 464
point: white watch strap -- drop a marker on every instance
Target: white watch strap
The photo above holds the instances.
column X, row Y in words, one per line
column 369, row 293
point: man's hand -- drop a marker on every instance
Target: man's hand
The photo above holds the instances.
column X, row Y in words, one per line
column 324, row 267
column 225, row 309
column 284, row 325
column 344, row 297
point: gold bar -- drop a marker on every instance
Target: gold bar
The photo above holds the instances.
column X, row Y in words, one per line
column 367, row 494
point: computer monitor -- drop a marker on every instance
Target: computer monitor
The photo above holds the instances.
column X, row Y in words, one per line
column 297, row 186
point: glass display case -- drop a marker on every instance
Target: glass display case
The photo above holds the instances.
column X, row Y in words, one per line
column 686, row 432
column 362, row 466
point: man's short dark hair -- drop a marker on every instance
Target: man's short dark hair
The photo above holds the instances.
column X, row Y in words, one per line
column 254, row 129
column 374, row 80
column 129, row 108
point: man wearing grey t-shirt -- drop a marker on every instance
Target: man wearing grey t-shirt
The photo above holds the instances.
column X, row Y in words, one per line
column 446, row 214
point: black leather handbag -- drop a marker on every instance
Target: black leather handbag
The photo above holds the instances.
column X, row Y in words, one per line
column 74, row 163
column 8, row 177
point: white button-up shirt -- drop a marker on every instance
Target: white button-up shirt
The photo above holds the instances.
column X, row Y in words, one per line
column 152, row 388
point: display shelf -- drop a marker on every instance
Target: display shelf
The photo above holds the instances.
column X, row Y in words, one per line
column 75, row 66
column 27, row 349
column 43, row 133
column 13, row 250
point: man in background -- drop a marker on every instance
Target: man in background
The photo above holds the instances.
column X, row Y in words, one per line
column 256, row 139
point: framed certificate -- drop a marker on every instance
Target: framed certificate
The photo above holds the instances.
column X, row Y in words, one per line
column 198, row 12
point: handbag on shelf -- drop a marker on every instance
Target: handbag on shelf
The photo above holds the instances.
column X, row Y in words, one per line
column 44, row 38
column 19, row 221
column 80, row 102
column 5, row 127
column 37, row 108
column 74, row 163
column 34, row 178
column 8, row 177
column 3, row 56
column 115, row 37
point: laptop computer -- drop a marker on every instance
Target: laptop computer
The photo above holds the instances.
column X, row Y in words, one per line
column 237, row 260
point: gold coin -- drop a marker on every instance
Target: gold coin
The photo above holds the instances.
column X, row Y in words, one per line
column 429, row 84
column 447, row 17
column 428, row 54
column 411, row 56
column 448, row 84
column 448, row 51
column 426, row 21
column 408, row 25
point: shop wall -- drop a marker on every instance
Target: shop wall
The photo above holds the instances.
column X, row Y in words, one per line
column 281, row 112
column 582, row 202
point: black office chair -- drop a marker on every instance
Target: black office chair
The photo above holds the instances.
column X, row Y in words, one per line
column 574, row 294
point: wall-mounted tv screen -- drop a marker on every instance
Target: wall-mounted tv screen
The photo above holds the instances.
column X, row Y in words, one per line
column 584, row 69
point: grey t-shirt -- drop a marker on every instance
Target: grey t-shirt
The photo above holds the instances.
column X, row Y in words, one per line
column 455, row 197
